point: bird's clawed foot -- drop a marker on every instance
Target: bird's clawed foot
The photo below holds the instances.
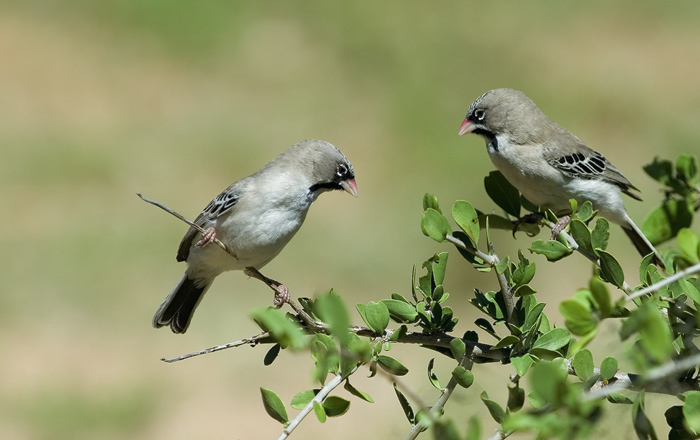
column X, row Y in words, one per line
column 532, row 218
column 560, row 226
column 208, row 236
column 281, row 291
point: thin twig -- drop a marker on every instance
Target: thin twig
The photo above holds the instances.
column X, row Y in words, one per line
column 436, row 409
column 330, row 386
column 665, row 282
column 574, row 246
column 254, row 340
column 650, row 382
column 193, row 225
column 492, row 260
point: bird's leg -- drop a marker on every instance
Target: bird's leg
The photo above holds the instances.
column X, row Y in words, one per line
column 560, row 226
column 207, row 237
column 532, row 218
column 281, row 291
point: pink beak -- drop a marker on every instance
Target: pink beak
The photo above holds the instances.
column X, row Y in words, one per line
column 466, row 127
column 350, row 186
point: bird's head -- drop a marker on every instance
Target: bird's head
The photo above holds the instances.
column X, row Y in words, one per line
column 501, row 112
column 328, row 167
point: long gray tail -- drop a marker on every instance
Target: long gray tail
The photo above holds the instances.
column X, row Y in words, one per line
column 642, row 244
column 179, row 306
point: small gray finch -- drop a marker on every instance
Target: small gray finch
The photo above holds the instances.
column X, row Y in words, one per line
column 255, row 218
column 547, row 163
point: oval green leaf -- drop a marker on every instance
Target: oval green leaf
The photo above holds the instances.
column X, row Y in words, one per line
column 274, row 406
column 467, row 218
column 435, row 225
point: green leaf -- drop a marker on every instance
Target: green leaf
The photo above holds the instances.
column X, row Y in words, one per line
column 664, row 222
column 320, row 412
column 581, row 234
column 583, row 365
column 467, row 255
column 524, row 272
column 286, row 332
column 496, row 222
column 516, row 398
column 660, row 170
column 654, row 333
column 691, row 410
column 435, row 225
column 432, row 377
column 577, row 315
column 357, row 393
column 474, row 429
column 611, row 269
column 462, row 376
column 549, row 380
column 458, row 349
column 689, row 244
column 391, row 365
column 401, row 312
column 618, row 398
column 377, row 314
column 494, row 408
column 466, row 217
column 553, row 340
column 431, row 202
column 331, row 309
column 300, row 400
column 552, row 249
column 601, row 295
column 524, row 290
column 506, row 342
column 274, row 406
column 445, row 429
column 642, row 425
column 522, row 364
column 438, row 264
column 601, row 234
column 532, row 316
column 325, row 353
column 505, row 195
column 687, row 169
column 586, row 212
column 335, row 406
column 407, row 410
column 272, row 354
column 608, row 368
column 689, row 289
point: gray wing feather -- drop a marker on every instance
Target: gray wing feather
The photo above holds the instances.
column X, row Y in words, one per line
column 221, row 205
column 583, row 163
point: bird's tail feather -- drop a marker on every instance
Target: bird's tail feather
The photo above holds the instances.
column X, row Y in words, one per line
column 642, row 244
column 179, row 306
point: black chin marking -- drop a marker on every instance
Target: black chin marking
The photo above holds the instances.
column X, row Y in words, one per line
column 325, row 186
column 489, row 137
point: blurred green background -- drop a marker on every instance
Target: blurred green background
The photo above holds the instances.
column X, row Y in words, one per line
column 177, row 99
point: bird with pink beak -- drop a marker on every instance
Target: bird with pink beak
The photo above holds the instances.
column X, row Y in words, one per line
column 254, row 218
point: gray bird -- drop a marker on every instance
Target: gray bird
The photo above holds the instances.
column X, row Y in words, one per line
column 255, row 218
column 547, row 163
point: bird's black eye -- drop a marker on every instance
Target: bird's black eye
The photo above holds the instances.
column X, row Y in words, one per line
column 479, row 114
column 341, row 170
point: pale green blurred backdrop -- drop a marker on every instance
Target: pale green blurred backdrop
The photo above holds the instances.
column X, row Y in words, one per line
column 177, row 99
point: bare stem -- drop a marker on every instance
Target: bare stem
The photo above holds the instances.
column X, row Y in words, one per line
column 665, row 282
column 322, row 394
column 492, row 260
column 253, row 340
column 436, row 409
